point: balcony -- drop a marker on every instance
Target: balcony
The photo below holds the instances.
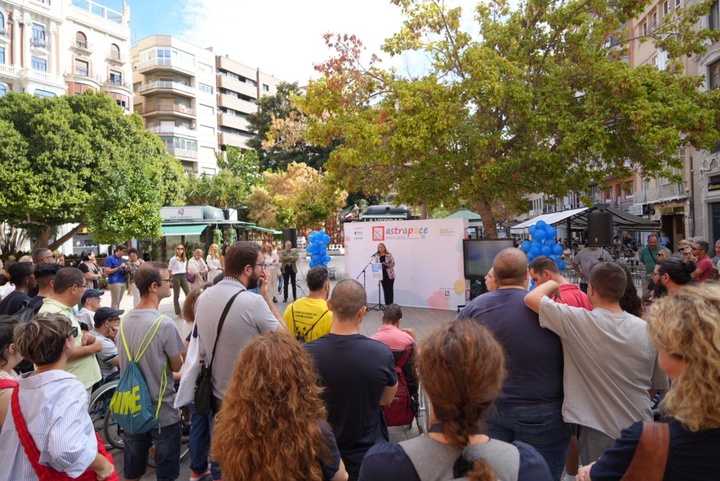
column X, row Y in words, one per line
column 42, row 76
column 82, row 47
column 177, row 88
column 39, row 43
column 238, row 86
column 116, row 57
column 99, row 10
column 173, row 130
column 233, row 121
column 165, row 64
column 8, row 70
column 160, row 109
column 182, row 153
column 232, row 140
column 116, row 83
column 234, row 103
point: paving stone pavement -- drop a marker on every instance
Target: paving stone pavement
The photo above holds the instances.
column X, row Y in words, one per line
column 422, row 321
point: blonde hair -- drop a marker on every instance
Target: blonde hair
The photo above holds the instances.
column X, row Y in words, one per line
column 213, row 251
column 687, row 326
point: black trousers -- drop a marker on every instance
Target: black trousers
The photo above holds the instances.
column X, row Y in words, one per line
column 289, row 275
column 388, row 293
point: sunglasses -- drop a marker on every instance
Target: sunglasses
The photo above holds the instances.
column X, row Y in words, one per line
column 73, row 332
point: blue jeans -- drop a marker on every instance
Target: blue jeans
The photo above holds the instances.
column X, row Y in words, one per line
column 539, row 425
column 200, row 430
column 168, row 441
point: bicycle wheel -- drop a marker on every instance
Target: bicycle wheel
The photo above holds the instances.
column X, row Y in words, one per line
column 113, row 431
column 98, row 407
column 423, row 417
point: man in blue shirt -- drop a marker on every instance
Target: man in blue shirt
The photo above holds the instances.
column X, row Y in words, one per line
column 115, row 271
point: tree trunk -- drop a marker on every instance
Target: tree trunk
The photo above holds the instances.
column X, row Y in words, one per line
column 488, row 219
column 44, row 238
column 66, row 237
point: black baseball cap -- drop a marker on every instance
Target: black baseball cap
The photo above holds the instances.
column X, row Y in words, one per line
column 106, row 313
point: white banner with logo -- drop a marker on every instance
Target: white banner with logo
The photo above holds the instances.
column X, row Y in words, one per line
column 428, row 260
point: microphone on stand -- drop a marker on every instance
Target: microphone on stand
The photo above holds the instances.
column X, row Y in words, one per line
column 373, row 255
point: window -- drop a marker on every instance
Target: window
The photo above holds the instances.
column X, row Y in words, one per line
column 39, row 64
column 44, row 94
column 677, row 4
column 81, row 40
column 82, row 67
column 2, row 23
column 654, row 20
column 44, row 2
column 266, row 88
column 645, row 29
column 3, row 89
column 208, row 89
column 38, row 35
column 114, row 52
column 666, row 7
column 2, row 55
column 714, row 20
column 115, row 78
column 714, row 75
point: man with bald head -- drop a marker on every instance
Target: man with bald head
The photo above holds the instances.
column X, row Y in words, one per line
column 358, row 374
column 529, row 408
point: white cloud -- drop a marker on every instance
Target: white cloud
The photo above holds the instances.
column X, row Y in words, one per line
column 284, row 37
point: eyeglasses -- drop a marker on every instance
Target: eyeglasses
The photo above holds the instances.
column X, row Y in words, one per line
column 73, row 332
column 81, row 286
column 168, row 280
column 51, row 256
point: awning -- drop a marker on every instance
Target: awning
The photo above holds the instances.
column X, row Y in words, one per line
column 191, row 229
column 550, row 219
column 264, row 229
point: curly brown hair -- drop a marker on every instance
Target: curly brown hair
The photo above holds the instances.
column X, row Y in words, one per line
column 269, row 425
column 686, row 325
column 462, row 368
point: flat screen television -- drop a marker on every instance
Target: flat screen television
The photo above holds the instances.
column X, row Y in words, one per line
column 478, row 255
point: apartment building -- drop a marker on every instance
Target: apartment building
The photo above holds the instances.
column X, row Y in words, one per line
column 174, row 84
column 58, row 47
column 238, row 87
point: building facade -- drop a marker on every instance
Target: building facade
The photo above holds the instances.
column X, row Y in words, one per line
column 65, row 47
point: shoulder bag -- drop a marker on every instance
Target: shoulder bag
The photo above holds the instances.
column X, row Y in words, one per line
column 651, row 454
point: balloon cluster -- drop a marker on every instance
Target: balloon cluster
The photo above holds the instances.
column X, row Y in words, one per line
column 317, row 248
column 543, row 243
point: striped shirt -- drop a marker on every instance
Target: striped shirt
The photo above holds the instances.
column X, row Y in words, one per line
column 54, row 405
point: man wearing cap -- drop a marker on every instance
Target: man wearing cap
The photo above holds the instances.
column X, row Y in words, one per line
column 107, row 322
column 90, row 303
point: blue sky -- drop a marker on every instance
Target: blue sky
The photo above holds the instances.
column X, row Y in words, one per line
column 281, row 37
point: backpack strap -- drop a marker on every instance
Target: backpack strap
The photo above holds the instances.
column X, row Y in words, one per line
column 651, row 454
column 404, row 358
column 306, row 332
column 434, row 461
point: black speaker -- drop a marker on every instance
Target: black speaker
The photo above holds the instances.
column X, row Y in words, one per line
column 290, row 235
column 600, row 228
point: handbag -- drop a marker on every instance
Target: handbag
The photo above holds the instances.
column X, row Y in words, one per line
column 190, row 277
column 204, row 388
column 651, row 454
column 46, row 473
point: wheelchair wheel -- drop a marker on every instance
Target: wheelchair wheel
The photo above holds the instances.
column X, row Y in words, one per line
column 98, row 407
column 113, row 432
column 423, row 416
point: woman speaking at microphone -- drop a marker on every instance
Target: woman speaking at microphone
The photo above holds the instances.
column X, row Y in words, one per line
column 383, row 257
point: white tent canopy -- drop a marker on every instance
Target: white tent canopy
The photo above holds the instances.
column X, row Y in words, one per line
column 549, row 219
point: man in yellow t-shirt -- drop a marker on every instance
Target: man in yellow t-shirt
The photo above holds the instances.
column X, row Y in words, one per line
column 308, row 318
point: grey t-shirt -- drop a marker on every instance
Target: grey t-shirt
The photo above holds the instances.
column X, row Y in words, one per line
column 586, row 258
column 107, row 353
column 165, row 344
column 248, row 317
column 610, row 365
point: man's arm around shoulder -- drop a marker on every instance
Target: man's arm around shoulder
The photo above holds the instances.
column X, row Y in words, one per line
column 534, row 297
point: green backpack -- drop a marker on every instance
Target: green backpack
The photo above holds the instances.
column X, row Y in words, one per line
column 132, row 405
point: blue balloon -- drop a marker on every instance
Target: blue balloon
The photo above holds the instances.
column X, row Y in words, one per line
column 540, row 234
column 326, row 238
column 561, row 264
column 554, row 257
column 525, row 246
column 313, row 263
column 310, row 248
column 535, row 243
column 535, row 251
column 540, row 224
column 327, row 259
column 557, row 249
column 531, row 230
column 530, row 256
column 545, row 250
column 551, row 231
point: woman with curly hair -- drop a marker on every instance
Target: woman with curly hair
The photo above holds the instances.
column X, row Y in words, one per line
column 462, row 368
column 272, row 423
column 685, row 328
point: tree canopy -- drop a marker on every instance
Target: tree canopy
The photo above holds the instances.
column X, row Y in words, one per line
column 277, row 153
column 537, row 100
column 298, row 197
column 80, row 159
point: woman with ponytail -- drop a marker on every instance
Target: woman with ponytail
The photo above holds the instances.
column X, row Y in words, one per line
column 461, row 368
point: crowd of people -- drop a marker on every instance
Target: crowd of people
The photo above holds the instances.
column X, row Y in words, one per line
column 523, row 385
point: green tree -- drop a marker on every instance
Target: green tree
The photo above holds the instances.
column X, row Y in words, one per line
column 239, row 172
column 279, row 153
column 536, row 101
column 299, row 197
column 81, row 160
